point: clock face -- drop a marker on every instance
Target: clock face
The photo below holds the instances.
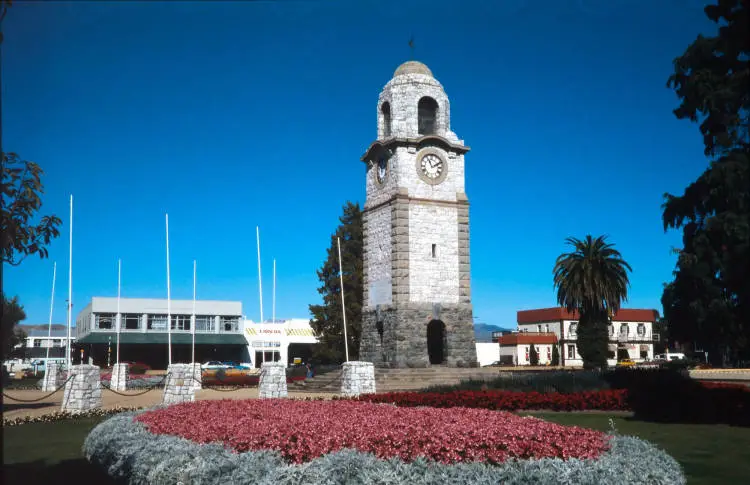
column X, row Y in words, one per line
column 432, row 166
column 382, row 170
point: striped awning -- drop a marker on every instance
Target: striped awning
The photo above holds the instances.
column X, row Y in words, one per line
column 299, row 332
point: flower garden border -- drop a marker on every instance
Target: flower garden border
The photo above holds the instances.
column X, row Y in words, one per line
column 129, row 452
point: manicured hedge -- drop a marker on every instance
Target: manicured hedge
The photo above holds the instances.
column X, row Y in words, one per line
column 127, row 451
column 610, row 400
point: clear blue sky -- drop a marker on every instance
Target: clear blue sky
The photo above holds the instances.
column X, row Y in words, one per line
column 232, row 115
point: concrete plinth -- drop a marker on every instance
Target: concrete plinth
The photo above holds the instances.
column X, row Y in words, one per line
column 53, row 376
column 180, row 386
column 272, row 380
column 119, row 379
column 83, row 391
column 197, row 377
column 357, row 378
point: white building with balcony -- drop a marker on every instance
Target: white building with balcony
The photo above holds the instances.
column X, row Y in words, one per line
column 282, row 340
column 631, row 333
column 143, row 333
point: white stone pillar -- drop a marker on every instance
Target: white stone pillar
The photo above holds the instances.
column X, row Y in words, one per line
column 83, row 391
column 197, row 377
column 272, row 380
column 119, row 379
column 53, row 376
column 180, row 386
column 357, row 378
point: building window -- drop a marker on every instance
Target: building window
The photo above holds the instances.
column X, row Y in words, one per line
column 526, row 359
column 156, row 322
column 204, row 323
column 641, row 329
column 37, row 342
column 57, row 342
column 571, row 351
column 434, row 250
column 130, row 321
column 573, row 329
column 611, row 330
column 104, row 321
column 385, row 110
column 180, row 322
column 539, row 328
column 546, row 327
column 427, row 116
column 229, row 324
column 624, row 329
column 549, row 354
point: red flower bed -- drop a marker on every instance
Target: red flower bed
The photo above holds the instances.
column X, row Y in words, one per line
column 608, row 400
column 724, row 385
column 304, row 430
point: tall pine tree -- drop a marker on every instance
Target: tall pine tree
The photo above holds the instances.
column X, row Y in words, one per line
column 327, row 319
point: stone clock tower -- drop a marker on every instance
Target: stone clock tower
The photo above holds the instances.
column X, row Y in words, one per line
column 417, row 297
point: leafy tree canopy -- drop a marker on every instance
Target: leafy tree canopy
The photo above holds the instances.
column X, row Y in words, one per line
column 327, row 319
column 22, row 190
column 708, row 300
column 592, row 280
column 12, row 315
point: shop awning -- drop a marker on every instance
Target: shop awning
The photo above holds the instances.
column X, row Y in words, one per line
column 138, row 338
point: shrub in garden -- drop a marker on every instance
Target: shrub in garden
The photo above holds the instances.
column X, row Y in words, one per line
column 127, row 450
column 555, row 355
column 533, row 355
column 548, row 381
column 611, row 400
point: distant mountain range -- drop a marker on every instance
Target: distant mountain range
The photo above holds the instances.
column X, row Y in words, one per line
column 483, row 331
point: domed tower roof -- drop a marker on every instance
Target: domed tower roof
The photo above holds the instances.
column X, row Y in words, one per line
column 412, row 67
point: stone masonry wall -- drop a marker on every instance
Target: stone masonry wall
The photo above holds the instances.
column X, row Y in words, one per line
column 357, row 378
column 180, row 386
column 119, row 379
column 403, row 342
column 433, row 279
column 377, row 234
column 83, row 391
column 53, row 376
column 272, row 380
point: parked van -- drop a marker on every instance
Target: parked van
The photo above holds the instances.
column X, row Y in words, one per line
column 670, row 356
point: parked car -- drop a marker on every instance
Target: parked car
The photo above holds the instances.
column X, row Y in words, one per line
column 214, row 365
column 625, row 363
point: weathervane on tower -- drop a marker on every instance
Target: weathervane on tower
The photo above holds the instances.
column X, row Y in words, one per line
column 411, row 46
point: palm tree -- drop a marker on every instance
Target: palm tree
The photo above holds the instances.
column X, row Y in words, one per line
column 592, row 280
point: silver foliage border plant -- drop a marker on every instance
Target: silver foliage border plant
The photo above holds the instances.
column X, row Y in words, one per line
column 133, row 455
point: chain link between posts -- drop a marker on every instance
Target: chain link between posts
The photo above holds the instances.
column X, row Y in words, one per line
column 43, row 397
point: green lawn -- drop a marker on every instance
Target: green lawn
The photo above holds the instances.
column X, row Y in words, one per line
column 709, row 454
column 42, row 453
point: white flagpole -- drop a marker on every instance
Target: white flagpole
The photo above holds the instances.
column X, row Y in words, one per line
column 343, row 308
column 119, row 316
column 169, row 301
column 273, row 311
column 193, row 319
column 69, row 346
column 260, row 284
column 51, row 307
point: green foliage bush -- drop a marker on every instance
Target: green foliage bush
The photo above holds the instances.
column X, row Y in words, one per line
column 129, row 453
column 545, row 381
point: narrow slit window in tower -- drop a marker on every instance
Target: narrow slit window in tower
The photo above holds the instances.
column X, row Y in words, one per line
column 427, row 116
column 386, row 111
column 434, row 250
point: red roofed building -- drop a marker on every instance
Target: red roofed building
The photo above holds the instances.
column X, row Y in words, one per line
column 630, row 334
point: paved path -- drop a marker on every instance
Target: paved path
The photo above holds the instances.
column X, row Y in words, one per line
column 111, row 400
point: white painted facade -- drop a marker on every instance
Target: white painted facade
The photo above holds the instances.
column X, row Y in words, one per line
column 487, row 353
column 276, row 337
column 634, row 337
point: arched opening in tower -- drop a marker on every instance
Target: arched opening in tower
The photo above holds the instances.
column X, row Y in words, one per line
column 436, row 341
column 385, row 110
column 427, row 116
